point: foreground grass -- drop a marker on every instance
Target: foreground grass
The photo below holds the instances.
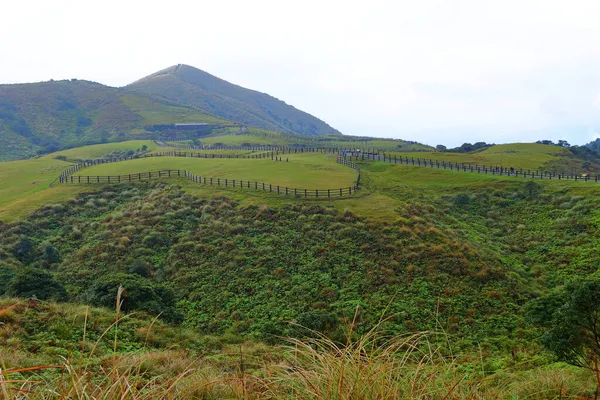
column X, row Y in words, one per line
column 106, row 362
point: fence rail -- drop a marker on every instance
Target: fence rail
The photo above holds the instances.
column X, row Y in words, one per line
column 223, row 182
column 481, row 169
column 380, row 155
column 67, row 177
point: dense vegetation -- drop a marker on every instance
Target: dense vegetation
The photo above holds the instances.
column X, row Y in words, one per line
column 474, row 259
column 502, row 269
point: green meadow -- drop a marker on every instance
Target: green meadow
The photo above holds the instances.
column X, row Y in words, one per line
column 517, row 155
column 306, row 171
column 225, row 289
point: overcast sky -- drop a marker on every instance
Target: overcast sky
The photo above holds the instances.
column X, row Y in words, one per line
column 428, row 70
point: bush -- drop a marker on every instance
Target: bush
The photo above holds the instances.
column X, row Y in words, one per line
column 571, row 317
column 140, row 294
column 34, row 282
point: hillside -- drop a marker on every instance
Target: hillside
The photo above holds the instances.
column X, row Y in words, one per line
column 48, row 116
column 51, row 115
column 234, row 273
column 197, row 88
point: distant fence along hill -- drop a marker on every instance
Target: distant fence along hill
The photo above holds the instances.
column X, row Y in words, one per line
column 380, row 155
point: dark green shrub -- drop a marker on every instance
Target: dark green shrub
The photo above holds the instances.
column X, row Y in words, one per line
column 34, row 282
column 140, row 294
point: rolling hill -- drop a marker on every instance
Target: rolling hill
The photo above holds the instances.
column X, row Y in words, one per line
column 197, row 88
column 48, row 116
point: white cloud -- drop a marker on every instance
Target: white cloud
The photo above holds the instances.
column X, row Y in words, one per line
column 483, row 70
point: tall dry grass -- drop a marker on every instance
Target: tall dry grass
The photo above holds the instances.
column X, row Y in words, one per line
column 372, row 367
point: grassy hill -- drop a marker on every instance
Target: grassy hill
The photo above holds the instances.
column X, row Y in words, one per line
column 531, row 156
column 191, row 86
column 57, row 114
column 47, row 116
column 429, row 250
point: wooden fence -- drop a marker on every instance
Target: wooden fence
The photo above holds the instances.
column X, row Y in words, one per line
column 481, row 169
column 67, row 177
column 380, row 155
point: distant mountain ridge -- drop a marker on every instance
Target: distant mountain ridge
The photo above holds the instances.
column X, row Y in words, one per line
column 46, row 116
column 196, row 88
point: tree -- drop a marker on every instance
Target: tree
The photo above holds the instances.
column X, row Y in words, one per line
column 51, row 255
column 34, row 282
column 441, row 147
column 24, row 250
column 6, row 276
column 563, row 143
column 532, row 189
column 571, row 317
column 546, row 142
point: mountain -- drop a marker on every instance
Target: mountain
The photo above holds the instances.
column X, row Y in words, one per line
column 45, row 116
column 196, row 88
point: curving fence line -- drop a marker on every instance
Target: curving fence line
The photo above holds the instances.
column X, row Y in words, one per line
column 418, row 161
column 67, row 176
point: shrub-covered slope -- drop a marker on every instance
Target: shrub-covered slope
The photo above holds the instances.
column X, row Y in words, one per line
column 222, row 268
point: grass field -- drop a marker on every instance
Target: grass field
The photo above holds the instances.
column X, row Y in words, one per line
column 312, row 171
column 155, row 113
column 208, row 151
column 24, row 185
column 100, row 150
column 517, row 155
column 379, row 144
column 238, row 140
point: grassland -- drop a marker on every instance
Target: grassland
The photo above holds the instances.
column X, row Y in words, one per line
column 207, row 151
column 154, row 112
column 25, row 184
column 101, row 150
column 312, row 171
column 383, row 144
column 238, row 140
column 263, row 137
column 518, row 155
column 433, row 250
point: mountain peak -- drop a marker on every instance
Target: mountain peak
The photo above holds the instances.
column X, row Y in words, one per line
column 197, row 88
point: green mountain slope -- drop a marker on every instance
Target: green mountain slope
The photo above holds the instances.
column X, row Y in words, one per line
column 197, row 88
column 51, row 115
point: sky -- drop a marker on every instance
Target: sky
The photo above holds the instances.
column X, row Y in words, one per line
column 438, row 72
